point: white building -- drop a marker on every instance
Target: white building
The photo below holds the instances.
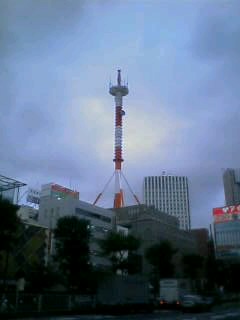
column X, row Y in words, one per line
column 28, row 214
column 169, row 194
column 54, row 204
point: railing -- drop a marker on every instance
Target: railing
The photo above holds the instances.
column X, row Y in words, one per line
column 36, row 303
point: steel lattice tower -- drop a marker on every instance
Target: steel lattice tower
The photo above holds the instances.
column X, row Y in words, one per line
column 118, row 91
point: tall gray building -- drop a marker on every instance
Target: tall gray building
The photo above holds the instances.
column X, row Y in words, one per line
column 231, row 182
column 169, row 194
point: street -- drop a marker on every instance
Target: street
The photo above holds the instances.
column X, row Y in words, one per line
column 218, row 314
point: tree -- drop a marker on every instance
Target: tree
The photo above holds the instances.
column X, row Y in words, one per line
column 9, row 224
column 41, row 277
column 160, row 257
column 193, row 267
column 8, row 231
column 120, row 249
column 211, row 267
column 72, row 236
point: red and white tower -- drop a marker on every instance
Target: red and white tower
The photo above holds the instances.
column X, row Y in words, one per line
column 118, row 91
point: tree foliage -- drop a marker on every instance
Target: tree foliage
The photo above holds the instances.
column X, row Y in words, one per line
column 72, row 236
column 41, row 277
column 160, row 257
column 9, row 224
column 193, row 265
column 120, row 249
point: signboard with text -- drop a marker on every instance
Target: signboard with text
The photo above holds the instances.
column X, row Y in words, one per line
column 62, row 192
column 225, row 214
column 33, row 196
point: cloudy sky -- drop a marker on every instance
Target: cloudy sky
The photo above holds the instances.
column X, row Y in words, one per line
column 181, row 59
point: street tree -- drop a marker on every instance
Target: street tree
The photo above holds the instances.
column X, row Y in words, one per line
column 121, row 250
column 9, row 224
column 193, row 267
column 8, row 232
column 160, row 257
column 72, row 236
column 41, row 277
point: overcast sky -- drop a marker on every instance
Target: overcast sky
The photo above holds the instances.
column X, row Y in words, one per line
column 181, row 59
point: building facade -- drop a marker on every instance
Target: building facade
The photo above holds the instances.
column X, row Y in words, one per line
column 169, row 194
column 227, row 232
column 152, row 226
column 101, row 221
column 28, row 213
column 231, row 182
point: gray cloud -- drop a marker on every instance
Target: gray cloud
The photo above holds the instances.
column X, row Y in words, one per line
column 52, row 52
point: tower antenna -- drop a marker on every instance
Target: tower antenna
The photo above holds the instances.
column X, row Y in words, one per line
column 118, row 91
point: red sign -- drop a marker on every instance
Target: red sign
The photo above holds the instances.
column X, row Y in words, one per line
column 226, row 213
column 58, row 188
column 227, row 210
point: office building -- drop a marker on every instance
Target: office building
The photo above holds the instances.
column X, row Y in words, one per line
column 169, row 194
column 231, row 182
column 227, row 232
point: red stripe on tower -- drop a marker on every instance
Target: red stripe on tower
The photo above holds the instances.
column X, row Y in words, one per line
column 118, row 91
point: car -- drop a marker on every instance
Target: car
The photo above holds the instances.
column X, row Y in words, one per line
column 194, row 302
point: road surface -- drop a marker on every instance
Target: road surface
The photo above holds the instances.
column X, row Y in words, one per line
column 221, row 314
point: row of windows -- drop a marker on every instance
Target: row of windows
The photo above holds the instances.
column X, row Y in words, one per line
column 92, row 215
column 167, row 190
column 163, row 205
column 165, row 185
column 99, row 229
column 173, row 179
column 228, row 238
column 169, row 196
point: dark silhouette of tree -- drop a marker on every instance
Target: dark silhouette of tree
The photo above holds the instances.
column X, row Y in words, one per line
column 227, row 274
column 121, row 250
column 8, row 232
column 9, row 224
column 211, row 267
column 160, row 257
column 193, row 267
column 72, row 236
column 42, row 277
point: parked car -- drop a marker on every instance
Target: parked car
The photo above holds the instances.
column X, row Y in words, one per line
column 194, row 302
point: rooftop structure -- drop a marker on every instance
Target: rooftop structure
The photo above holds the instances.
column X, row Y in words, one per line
column 9, row 187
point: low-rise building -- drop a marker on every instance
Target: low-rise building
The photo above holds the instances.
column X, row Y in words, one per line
column 28, row 214
column 152, row 226
column 101, row 221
